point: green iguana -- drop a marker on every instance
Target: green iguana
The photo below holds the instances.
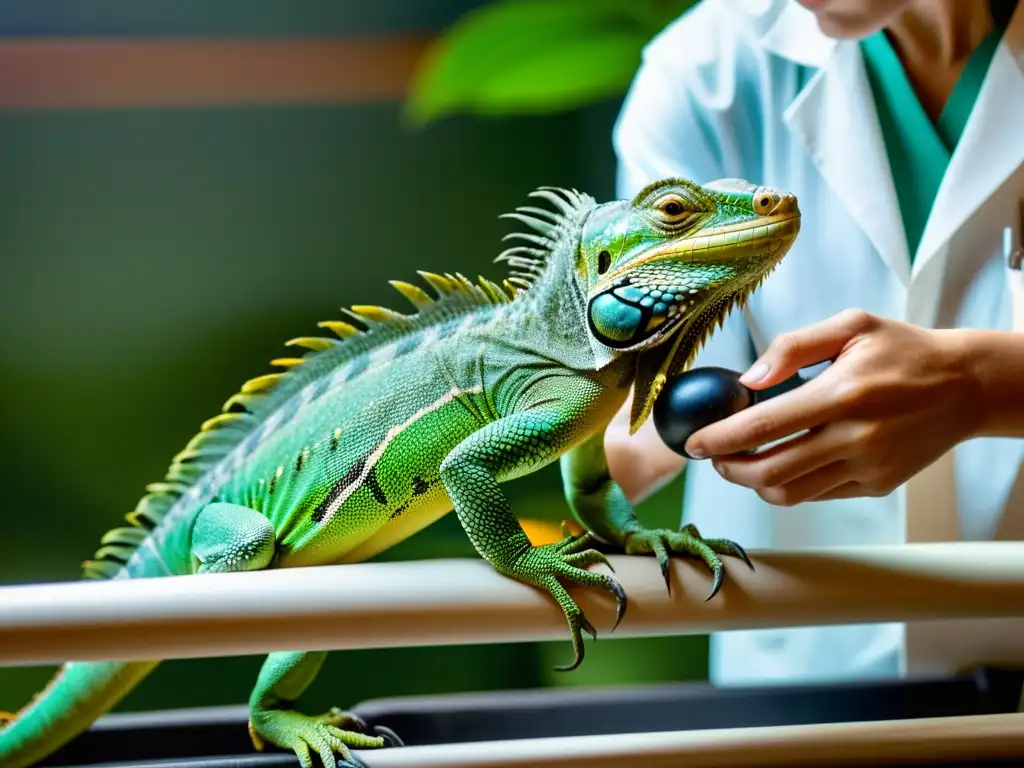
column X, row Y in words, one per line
column 369, row 437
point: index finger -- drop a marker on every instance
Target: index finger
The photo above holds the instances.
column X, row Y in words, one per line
column 805, row 407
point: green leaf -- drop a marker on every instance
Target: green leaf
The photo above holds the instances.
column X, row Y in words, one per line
column 534, row 56
column 574, row 73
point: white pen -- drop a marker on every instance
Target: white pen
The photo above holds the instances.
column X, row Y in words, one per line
column 1013, row 252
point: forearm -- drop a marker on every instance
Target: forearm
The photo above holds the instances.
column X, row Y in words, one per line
column 995, row 362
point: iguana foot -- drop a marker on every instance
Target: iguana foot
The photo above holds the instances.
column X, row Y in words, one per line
column 567, row 559
column 663, row 542
column 301, row 733
column 343, row 719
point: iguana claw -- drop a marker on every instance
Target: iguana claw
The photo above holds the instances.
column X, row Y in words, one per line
column 545, row 565
column 346, row 721
column 687, row 540
column 571, row 546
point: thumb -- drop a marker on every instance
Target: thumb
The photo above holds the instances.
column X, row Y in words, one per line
column 789, row 352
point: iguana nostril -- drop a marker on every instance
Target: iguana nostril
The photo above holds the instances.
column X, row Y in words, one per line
column 786, row 204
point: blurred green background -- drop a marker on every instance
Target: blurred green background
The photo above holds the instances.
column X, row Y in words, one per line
column 153, row 259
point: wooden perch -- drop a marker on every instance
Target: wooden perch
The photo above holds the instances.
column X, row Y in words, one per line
column 886, row 743
column 453, row 602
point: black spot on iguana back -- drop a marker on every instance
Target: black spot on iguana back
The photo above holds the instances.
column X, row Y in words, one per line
column 374, row 485
column 339, row 487
column 353, row 474
column 419, row 487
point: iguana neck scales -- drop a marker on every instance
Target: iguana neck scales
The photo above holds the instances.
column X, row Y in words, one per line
column 365, row 437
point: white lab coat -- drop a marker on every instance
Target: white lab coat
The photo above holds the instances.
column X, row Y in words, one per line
column 718, row 96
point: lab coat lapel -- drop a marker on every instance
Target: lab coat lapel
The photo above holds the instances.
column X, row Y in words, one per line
column 990, row 149
column 835, row 119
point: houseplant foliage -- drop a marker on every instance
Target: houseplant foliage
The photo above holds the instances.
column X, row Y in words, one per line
column 535, row 57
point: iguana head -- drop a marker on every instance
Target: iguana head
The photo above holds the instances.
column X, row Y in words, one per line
column 662, row 270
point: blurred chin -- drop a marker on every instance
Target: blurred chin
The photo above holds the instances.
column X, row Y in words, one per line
column 852, row 19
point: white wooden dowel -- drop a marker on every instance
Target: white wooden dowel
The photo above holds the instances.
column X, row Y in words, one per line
column 945, row 739
column 450, row 602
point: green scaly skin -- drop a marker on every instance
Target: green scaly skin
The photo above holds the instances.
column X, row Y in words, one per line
column 369, row 437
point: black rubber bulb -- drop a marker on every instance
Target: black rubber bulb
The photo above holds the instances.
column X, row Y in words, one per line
column 695, row 399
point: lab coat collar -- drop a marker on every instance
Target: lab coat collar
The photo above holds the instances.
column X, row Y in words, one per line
column 834, row 117
column 990, row 149
column 791, row 31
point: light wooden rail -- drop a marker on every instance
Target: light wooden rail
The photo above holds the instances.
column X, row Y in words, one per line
column 873, row 743
column 444, row 602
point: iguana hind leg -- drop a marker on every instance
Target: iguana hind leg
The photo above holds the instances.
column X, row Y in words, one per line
column 283, row 678
column 229, row 537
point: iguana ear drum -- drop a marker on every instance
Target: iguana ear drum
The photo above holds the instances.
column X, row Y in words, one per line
column 627, row 314
column 613, row 322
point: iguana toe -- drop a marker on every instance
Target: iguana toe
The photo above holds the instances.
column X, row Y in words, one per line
column 549, row 565
column 307, row 735
column 572, row 543
column 687, row 541
column 343, row 719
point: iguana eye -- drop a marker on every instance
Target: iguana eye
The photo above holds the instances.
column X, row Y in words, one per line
column 672, row 207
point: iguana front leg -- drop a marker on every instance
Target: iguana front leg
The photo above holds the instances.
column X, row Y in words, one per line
column 510, row 447
column 229, row 537
column 600, row 504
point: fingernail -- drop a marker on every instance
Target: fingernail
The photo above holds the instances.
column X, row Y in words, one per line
column 695, row 453
column 757, row 372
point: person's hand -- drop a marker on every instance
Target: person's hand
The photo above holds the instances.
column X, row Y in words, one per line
column 894, row 400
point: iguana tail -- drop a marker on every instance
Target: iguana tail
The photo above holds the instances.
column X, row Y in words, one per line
column 77, row 695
